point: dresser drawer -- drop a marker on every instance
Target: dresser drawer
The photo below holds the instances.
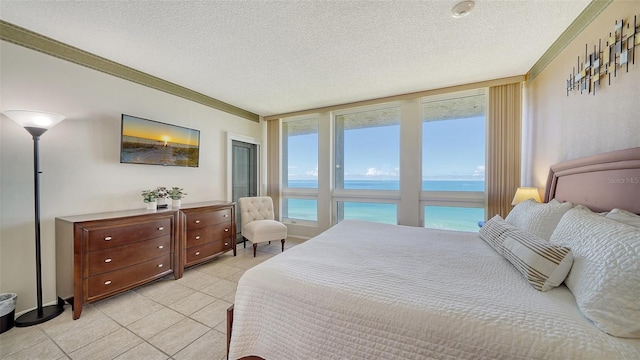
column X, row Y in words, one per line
column 122, row 256
column 197, row 253
column 116, row 235
column 197, row 220
column 114, row 281
column 207, row 234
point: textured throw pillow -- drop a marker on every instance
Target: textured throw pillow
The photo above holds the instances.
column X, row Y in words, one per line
column 544, row 265
column 589, row 210
column 605, row 277
column 536, row 218
column 624, row 216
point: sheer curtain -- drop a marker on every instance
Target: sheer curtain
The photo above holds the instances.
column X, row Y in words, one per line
column 504, row 123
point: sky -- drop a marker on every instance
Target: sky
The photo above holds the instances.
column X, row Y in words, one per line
column 453, row 150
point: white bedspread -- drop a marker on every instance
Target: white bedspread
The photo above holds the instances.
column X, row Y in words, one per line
column 373, row 291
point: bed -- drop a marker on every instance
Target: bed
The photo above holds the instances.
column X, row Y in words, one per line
column 366, row 290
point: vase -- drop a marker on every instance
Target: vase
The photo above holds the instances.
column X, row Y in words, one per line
column 152, row 205
column 176, row 202
column 162, row 203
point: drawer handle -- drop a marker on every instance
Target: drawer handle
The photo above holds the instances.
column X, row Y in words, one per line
column 161, row 247
column 197, row 237
column 226, row 244
column 226, row 230
column 107, row 238
column 161, row 228
column 197, row 252
column 108, row 282
column 159, row 265
column 197, row 221
column 225, row 215
column 107, row 260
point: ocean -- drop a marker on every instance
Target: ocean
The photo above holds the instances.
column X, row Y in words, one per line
column 438, row 217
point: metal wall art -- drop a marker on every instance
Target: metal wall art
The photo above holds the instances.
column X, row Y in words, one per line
column 606, row 61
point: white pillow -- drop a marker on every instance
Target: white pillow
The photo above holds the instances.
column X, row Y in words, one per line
column 624, row 216
column 579, row 206
column 538, row 218
column 605, row 277
column 544, row 265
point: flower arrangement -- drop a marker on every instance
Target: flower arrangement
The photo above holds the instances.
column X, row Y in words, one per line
column 176, row 193
column 149, row 195
column 161, row 191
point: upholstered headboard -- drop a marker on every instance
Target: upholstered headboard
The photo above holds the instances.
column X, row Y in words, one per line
column 600, row 182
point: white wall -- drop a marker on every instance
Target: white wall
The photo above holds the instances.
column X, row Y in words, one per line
column 81, row 172
column 561, row 127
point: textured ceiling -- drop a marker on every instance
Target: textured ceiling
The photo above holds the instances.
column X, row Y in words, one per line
column 272, row 57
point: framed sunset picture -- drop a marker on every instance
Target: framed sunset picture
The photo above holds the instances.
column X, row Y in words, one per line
column 151, row 142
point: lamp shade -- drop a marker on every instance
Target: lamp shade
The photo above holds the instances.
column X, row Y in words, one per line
column 34, row 120
column 525, row 193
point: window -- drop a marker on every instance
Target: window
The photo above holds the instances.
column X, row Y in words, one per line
column 300, row 169
column 453, row 144
column 300, row 153
column 300, row 209
column 367, row 149
column 377, row 212
column 366, row 163
column 453, row 160
column 453, row 218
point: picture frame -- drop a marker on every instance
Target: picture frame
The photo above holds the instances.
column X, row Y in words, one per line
column 151, row 142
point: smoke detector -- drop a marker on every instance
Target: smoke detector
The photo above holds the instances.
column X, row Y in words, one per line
column 462, row 9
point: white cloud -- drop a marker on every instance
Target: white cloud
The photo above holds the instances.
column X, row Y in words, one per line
column 373, row 172
column 479, row 171
column 313, row 172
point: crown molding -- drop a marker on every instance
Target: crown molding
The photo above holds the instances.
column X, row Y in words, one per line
column 29, row 39
column 585, row 18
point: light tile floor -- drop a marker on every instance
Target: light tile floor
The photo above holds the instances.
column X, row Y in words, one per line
column 166, row 319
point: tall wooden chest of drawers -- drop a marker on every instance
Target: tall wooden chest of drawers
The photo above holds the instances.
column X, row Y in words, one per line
column 100, row 255
column 208, row 229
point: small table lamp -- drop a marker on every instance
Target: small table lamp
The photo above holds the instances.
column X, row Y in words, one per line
column 525, row 193
column 36, row 123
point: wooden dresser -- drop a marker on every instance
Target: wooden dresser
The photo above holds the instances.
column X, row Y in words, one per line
column 100, row 255
column 208, row 229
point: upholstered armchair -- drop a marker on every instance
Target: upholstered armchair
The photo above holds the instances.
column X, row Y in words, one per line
column 258, row 224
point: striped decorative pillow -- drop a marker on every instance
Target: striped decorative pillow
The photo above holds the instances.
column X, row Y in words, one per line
column 493, row 232
column 544, row 265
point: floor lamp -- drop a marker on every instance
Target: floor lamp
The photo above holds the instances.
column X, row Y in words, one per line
column 36, row 123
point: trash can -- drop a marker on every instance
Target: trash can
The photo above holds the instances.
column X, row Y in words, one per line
column 7, row 311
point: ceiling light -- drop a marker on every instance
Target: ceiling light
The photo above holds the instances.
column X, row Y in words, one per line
column 462, row 9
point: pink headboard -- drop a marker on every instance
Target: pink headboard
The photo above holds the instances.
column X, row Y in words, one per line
column 600, row 182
